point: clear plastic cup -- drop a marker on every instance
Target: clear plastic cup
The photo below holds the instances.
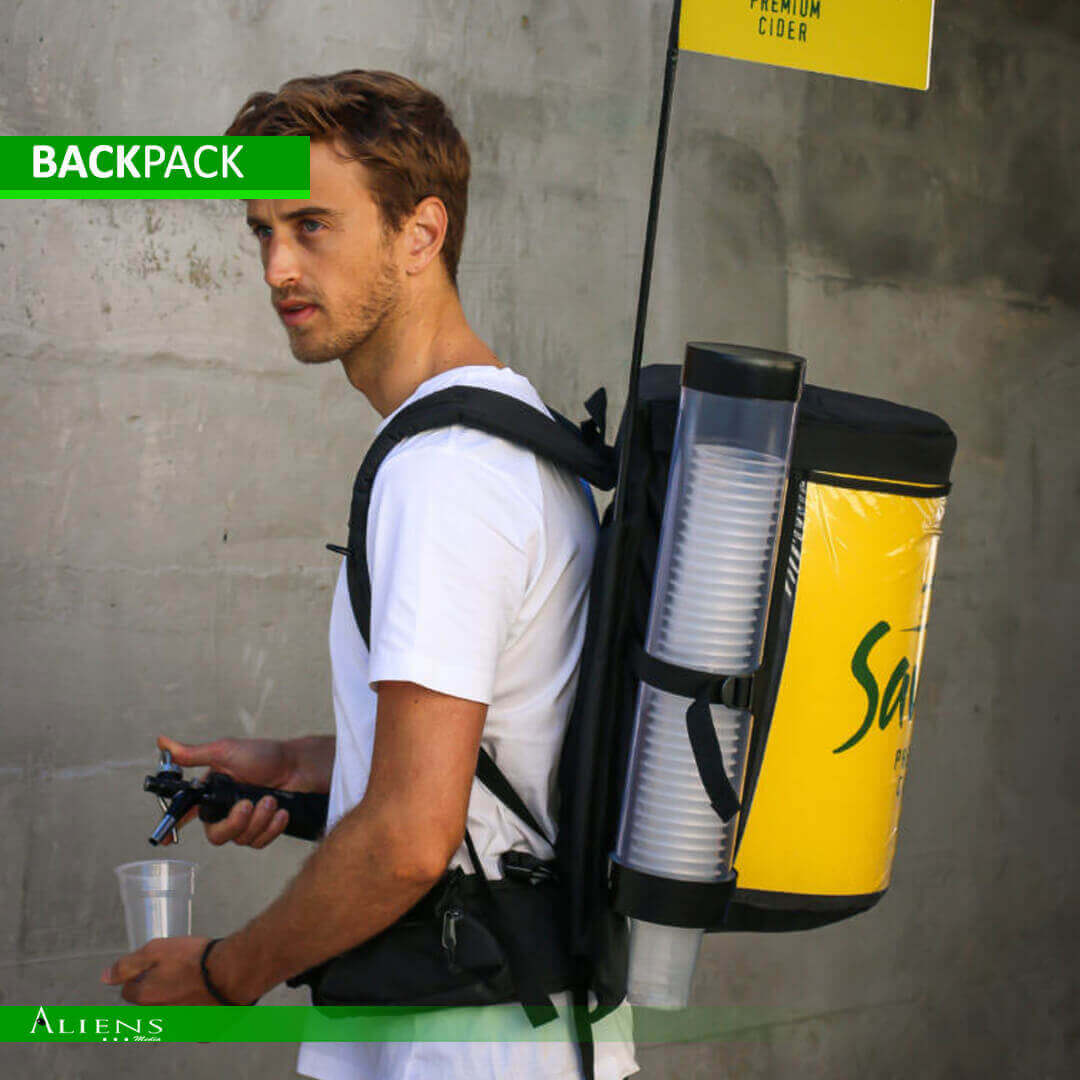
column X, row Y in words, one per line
column 157, row 897
column 662, row 963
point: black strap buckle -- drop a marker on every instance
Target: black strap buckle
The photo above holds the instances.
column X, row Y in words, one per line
column 451, row 916
column 736, row 691
column 523, row 866
column 595, row 428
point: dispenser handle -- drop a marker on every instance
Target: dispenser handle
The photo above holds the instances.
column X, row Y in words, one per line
column 307, row 810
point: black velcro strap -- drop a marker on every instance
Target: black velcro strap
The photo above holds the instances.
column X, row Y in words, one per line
column 538, row 1006
column 709, row 757
column 734, row 691
column 490, row 775
column 582, row 1027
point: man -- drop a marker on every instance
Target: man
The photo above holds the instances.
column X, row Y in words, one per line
column 479, row 555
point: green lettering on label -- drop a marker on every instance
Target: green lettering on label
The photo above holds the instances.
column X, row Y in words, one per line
column 860, row 668
column 899, row 697
column 895, row 692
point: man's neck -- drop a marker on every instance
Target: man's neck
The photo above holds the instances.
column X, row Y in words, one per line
column 412, row 348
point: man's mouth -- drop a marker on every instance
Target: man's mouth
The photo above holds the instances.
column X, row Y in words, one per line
column 292, row 314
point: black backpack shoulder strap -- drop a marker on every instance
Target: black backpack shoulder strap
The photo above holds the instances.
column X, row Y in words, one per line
column 558, row 440
column 491, row 776
column 580, row 449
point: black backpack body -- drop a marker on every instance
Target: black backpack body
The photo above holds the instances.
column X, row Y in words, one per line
column 579, row 941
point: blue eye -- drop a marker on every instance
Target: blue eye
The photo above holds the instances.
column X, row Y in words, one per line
column 257, row 231
column 311, row 221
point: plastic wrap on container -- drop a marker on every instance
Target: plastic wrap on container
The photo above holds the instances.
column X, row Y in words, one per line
column 826, row 806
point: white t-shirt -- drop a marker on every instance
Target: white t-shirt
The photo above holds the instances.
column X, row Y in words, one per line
column 479, row 555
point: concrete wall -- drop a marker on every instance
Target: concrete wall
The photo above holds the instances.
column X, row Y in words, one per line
column 171, row 473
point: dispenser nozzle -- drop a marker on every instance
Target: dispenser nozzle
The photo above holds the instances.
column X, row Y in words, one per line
column 175, row 797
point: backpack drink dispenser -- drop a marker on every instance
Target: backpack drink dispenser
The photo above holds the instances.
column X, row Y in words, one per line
column 704, row 638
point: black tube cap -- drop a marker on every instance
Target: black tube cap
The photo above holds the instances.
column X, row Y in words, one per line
column 743, row 371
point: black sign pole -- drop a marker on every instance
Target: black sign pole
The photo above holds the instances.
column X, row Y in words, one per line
column 647, row 261
column 599, row 767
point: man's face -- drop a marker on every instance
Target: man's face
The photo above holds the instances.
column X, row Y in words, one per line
column 330, row 253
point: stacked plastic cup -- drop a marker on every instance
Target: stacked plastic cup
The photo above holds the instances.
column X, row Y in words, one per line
column 708, row 612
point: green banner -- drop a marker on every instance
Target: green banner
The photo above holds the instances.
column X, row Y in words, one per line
column 126, row 167
column 306, row 1023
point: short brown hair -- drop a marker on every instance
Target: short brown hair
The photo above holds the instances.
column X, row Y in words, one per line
column 400, row 132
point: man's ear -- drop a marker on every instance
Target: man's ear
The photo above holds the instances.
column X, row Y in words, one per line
column 424, row 234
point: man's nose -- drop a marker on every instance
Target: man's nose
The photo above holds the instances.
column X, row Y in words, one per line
column 282, row 266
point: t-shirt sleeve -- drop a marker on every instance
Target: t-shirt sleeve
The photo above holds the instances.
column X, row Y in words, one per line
column 448, row 553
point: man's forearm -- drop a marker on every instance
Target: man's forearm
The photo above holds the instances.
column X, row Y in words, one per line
column 358, row 881
column 312, row 762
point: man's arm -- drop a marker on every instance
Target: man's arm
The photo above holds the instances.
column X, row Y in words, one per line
column 381, row 857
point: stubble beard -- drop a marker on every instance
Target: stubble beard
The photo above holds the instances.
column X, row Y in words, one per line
column 365, row 314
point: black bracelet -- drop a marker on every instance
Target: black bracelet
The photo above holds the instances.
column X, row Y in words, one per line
column 216, row 994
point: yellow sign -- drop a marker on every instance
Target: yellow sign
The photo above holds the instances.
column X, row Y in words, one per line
column 885, row 41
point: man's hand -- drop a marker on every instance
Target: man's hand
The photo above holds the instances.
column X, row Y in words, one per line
column 302, row 764
column 164, row 971
column 264, row 762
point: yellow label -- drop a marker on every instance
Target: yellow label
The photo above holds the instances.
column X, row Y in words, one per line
column 886, row 41
column 824, row 816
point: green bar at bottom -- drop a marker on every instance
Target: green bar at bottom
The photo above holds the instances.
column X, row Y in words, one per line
column 306, row 1023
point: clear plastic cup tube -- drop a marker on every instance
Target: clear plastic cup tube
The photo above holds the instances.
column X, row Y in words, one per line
column 157, row 897
column 708, row 612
